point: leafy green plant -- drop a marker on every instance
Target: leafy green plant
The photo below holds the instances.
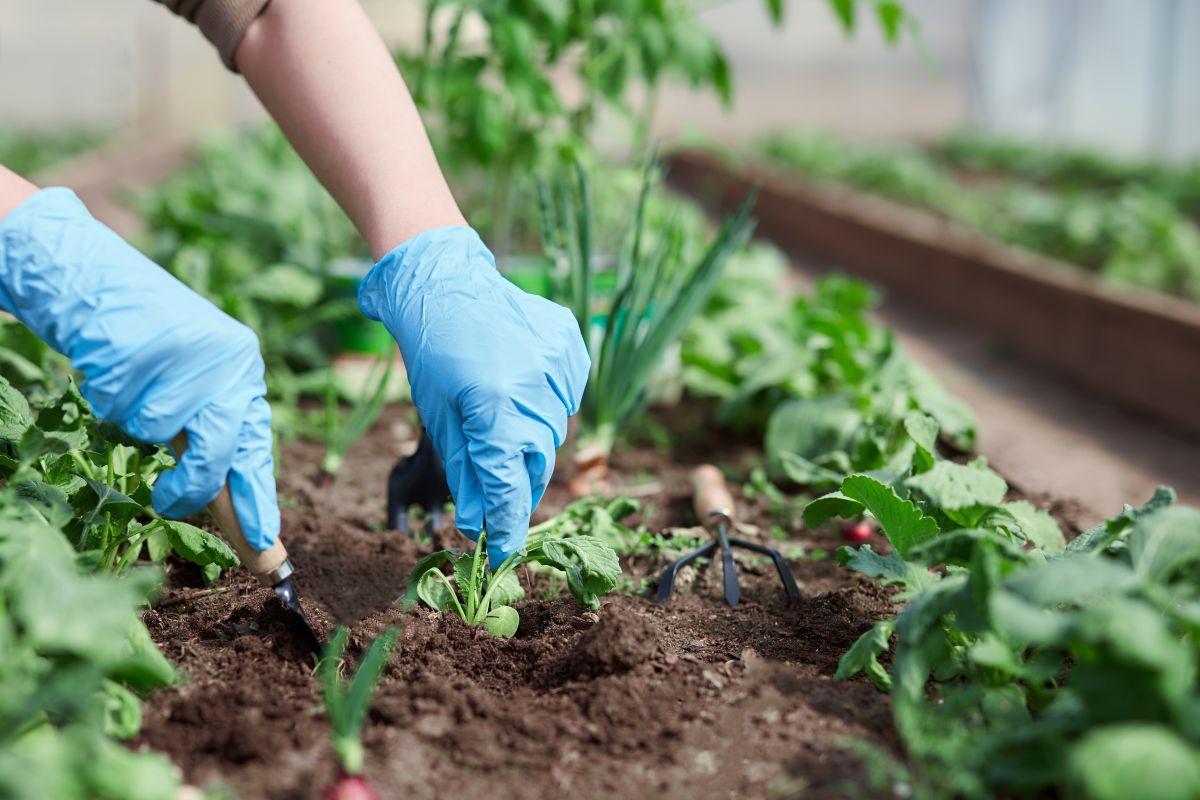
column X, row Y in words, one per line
column 347, row 700
column 1022, row 663
column 656, row 294
column 483, row 597
column 75, row 657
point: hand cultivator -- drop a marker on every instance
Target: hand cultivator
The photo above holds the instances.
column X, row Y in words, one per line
column 417, row 480
column 714, row 506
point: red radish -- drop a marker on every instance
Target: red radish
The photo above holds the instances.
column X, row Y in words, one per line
column 350, row 787
column 857, row 531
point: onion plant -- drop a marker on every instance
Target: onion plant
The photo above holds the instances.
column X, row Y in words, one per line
column 660, row 285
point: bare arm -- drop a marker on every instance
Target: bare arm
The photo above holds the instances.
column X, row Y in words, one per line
column 14, row 190
column 325, row 75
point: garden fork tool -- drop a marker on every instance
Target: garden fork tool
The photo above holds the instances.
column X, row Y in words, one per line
column 714, row 507
column 271, row 567
column 417, row 480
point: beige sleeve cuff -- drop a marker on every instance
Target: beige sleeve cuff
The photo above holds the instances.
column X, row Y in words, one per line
column 223, row 22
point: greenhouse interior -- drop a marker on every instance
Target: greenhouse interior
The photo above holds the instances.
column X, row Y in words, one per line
column 677, row 399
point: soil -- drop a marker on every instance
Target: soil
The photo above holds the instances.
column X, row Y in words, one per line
column 687, row 699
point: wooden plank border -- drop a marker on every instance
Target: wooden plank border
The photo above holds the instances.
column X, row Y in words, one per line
column 1137, row 347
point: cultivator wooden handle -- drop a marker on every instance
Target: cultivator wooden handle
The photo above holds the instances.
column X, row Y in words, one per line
column 710, row 495
column 269, row 566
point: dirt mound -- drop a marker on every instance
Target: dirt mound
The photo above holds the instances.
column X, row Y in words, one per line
column 614, row 643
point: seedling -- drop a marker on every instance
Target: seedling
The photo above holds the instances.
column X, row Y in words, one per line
column 342, row 432
column 484, row 598
column 346, row 703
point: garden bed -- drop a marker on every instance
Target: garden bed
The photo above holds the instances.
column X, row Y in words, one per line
column 689, row 699
column 1139, row 348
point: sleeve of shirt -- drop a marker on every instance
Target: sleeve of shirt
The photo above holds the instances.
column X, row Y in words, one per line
column 223, row 22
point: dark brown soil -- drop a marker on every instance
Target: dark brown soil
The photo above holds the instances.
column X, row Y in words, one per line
column 691, row 699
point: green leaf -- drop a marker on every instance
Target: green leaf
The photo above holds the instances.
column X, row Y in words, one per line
column 958, row 548
column 198, row 546
column 923, row 430
column 810, row 429
column 122, row 711
column 1164, row 542
column 891, row 16
column 953, row 487
column 806, row 473
column 285, row 284
column 834, row 504
column 591, row 566
column 890, row 569
column 502, row 621
column 844, row 11
column 15, row 416
column 48, row 502
column 775, row 11
column 1134, row 760
column 1039, row 528
column 507, row 590
column 901, row 521
column 863, row 656
column 434, row 592
column 1072, row 579
column 430, row 562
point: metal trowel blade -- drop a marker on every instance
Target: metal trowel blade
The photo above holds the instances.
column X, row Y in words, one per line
column 286, row 592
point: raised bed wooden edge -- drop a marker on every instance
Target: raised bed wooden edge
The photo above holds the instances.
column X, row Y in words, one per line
column 1139, row 348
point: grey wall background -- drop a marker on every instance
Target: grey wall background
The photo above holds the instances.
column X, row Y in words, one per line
column 1119, row 74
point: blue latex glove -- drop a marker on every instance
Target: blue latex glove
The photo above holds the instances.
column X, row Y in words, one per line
column 495, row 373
column 156, row 357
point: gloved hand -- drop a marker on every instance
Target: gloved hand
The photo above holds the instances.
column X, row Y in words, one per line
column 495, row 373
column 156, row 357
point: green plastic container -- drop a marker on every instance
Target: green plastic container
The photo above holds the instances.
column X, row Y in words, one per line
column 355, row 334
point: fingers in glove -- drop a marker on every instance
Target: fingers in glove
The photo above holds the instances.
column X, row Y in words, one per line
column 252, row 478
column 451, row 445
column 198, row 476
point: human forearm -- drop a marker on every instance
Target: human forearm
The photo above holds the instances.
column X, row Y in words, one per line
column 14, row 190
column 322, row 71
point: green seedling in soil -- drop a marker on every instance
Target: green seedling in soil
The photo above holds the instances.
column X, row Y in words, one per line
column 659, row 289
column 483, row 598
column 342, row 432
column 347, row 701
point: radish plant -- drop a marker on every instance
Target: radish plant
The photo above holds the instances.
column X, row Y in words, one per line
column 347, row 701
column 483, row 598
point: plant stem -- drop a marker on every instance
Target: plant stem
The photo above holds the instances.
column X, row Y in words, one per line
column 453, row 596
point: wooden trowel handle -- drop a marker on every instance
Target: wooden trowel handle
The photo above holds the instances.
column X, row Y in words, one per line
column 267, row 565
column 710, row 495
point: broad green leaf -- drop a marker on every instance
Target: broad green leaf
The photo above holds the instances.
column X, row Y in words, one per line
column 430, row 562
column 108, row 499
column 507, row 590
column 863, row 656
column 834, row 504
column 1039, row 528
column 591, row 566
column 15, row 416
column 891, row 16
column 806, row 473
column 1165, row 541
column 890, row 569
column 954, row 418
column 844, row 11
column 1071, row 579
column 49, row 502
column 1120, row 762
column 959, row 548
column 502, row 621
column 923, row 430
column 198, row 546
column 901, row 521
column 434, row 592
column 810, row 429
column 1099, row 537
column 953, row 487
